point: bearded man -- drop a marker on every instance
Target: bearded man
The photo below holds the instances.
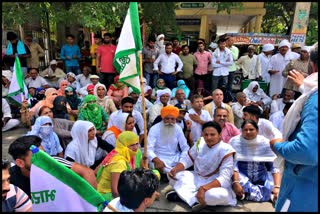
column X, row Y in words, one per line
column 166, row 141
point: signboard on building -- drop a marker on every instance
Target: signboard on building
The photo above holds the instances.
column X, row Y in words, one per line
column 192, row 5
column 188, row 21
column 257, row 38
column 300, row 22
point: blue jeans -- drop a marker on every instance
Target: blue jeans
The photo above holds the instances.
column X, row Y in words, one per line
column 168, row 79
column 219, row 82
column 151, row 78
column 73, row 69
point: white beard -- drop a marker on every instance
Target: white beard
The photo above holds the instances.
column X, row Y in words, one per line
column 167, row 133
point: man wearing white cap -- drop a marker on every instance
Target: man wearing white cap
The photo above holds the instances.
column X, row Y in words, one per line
column 6, row 80
column 250, row 64
column 94, row 80
column 160, row 44
column 212, row 47
column 265, row 57
column 163, row 97
column 53, row 74
column 301, row 65
column 277, row 64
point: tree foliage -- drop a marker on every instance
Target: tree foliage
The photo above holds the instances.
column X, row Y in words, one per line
column 312, row 32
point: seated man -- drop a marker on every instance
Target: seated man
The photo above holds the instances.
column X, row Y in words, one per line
column 13, row 198
column 7, row 121
column 137, row 190
column 21, row 154
column 180, row 98
column 228, row 130
column 217, row 96
column 238, row 107
column 34, row 80
column 53, row 74
column 277, row 117
column 166, row 141
column 278, row 104
column 138, row 101
column 210, row 182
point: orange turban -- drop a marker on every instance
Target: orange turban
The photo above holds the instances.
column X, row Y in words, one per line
column 169, row 110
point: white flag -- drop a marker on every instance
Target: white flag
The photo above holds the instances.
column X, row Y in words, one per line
column 126, row 59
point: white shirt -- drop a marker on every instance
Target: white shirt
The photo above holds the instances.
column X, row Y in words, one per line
column 267, row 129
column 115, row 203
column 138, row 119
column 237, row 109
column 277, row 105
column 166, row 147
column 278, row 63
column 6, row 111
column 265, row 60
column 138, row 105
column 222, row 69
column 251, row 67
column 153, row 112
column 37, row 83
column 168, row 63
column 83, row 80
column 196, row 128
column 277, row 120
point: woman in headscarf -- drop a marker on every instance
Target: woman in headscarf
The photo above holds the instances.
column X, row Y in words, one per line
column 181, row 85
column 94, row 113
column 50, row 95
column 123, row 157
column 117, row 91
column 104, row 101
column 60, row 108
column 73, row 82
column 160, row 85
column 84, row 147
column 256, row 95
column 62, row 86
column 73, row 100
column 123, row 122
column 43, row 128
column 255, row 177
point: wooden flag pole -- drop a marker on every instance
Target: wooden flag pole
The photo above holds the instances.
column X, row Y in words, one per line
column 145, row 154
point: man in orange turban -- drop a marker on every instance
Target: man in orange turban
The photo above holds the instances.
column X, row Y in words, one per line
column 166, row 142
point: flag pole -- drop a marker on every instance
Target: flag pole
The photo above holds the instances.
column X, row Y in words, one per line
column 145, row 149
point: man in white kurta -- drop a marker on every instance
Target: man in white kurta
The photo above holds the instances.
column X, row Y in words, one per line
column 278, row 104
column 163, row 98
column 265, row 57
column 166, row 141
column 277, row 64
column 7, row 121
column 210, row 163
column 198, row 116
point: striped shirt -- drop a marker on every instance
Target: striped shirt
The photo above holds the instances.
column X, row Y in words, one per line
column 16, row 201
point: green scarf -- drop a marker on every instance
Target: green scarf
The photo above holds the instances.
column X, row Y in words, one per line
column 92, row 111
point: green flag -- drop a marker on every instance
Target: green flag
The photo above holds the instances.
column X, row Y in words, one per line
column 126, row 59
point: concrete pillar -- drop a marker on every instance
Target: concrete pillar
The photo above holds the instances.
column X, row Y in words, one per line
column 251, row 26
column 258, row 22
column 204, row 31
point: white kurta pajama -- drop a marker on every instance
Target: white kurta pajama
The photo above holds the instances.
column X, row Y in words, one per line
column 166, row 148
column 278, row 63
column 206, row 161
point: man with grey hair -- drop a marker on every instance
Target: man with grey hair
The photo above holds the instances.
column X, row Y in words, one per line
column 250, row 65
column 217, row 96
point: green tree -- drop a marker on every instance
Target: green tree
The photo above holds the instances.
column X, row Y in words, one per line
column 312, row 32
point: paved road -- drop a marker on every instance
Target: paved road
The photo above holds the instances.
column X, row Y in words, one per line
column 161, row 205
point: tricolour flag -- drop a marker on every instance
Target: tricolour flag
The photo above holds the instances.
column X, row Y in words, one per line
column 18, row 90
column 56, row 188
column 126, row 59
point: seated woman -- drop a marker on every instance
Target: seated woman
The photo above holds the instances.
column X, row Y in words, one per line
column 73, row 101
column 257, row 96
column 123, row 122
column 255, row 178
column 210, row 182
column 123, row 157
column 50, row 95
column 62, row 86
column 160, row 85
column 73, row 82
column 94, row 113
column 84, row 148
column 43, row 128
column 117, row 91
column 59, row 109
column 104, row 101
column 181, row 85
